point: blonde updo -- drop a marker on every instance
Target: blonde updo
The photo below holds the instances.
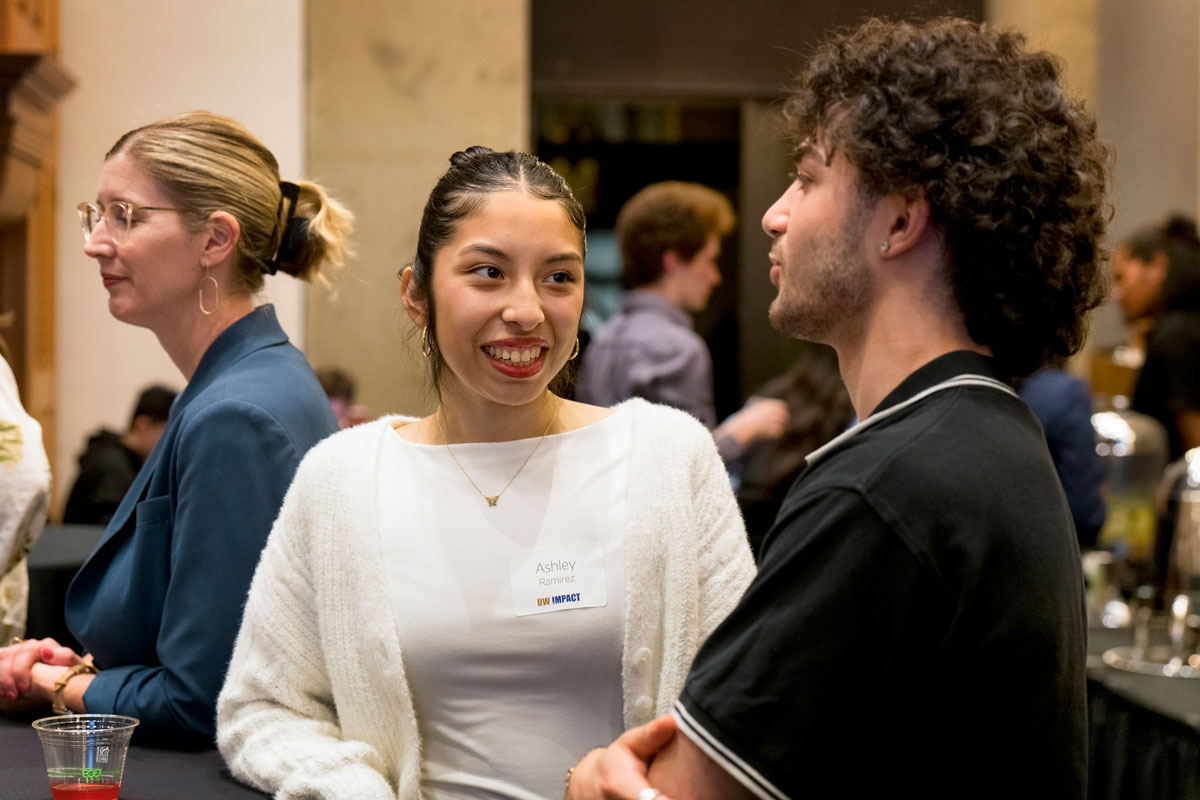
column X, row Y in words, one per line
column 208, row 162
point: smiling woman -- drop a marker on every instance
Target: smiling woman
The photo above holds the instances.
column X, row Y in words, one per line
column 548, row 568
column 509, row 286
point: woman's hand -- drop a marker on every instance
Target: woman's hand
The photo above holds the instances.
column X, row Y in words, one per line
column 16, row 669
column 618, row 772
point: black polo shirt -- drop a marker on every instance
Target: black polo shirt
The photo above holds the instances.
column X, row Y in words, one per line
column 917, row 624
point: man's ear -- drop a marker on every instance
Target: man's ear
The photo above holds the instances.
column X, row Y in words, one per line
column 908, row 220
column 415, row 302
column 672, row 263
column 222, row 235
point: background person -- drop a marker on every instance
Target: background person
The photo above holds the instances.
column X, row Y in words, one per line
column 190, row 214
column 943, row 234
column 1063, row 405
column 110, row 463
column 670, row 236
column 818, row 410
column 547, row 569
column 339, row 387
column 24, row 487
column 1157, row 282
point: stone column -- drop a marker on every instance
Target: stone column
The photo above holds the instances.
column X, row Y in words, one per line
column 393, row 90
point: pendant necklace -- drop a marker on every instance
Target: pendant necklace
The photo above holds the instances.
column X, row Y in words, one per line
column 493, row 499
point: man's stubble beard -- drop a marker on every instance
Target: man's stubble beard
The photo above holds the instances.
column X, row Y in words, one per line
column 834, row 283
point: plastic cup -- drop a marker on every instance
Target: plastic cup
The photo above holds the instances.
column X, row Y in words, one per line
column 85, row 754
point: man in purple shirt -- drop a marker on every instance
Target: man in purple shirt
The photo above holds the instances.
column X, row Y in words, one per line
column 670, row 239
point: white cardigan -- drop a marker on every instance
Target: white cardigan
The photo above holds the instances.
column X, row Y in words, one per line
column 316, row 704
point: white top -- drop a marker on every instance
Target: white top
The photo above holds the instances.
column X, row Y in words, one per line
column 510, row 617
column 316, row 703
column 24, row 486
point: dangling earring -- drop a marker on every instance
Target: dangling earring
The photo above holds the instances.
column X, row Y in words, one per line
column 426, row 344
column 575, row 352
column 216, row 293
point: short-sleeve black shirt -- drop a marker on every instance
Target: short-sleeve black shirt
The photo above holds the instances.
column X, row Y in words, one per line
column 1169, row 381
column 917, row 624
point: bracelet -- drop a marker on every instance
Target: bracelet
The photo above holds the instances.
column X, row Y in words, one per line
column 567, row 784
column 85, row 667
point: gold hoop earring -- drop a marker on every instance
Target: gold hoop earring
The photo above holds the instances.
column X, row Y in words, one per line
column 426, row 344
column 575, row 352
column 216, row 293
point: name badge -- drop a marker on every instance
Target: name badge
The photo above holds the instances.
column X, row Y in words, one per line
column 557, row 579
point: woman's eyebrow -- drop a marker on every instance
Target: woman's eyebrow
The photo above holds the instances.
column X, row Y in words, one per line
column 485, row 249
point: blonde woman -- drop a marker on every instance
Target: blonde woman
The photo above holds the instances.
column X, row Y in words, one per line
column 189, row 216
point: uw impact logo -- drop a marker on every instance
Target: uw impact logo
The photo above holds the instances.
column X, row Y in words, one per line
column 554, row 600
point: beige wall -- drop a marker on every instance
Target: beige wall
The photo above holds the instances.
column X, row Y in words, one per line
column 1149, row 109
column 1065, row 27
column 394, row 89
column 135, row 62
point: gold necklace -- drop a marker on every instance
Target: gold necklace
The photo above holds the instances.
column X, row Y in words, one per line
column 492, row 500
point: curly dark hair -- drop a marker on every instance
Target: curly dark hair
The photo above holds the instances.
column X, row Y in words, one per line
column 1011, row 166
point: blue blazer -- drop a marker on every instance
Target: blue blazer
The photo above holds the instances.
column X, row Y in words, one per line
column 159, row 602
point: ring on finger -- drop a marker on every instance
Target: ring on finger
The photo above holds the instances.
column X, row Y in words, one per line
column 16, row 640
column 649, row 793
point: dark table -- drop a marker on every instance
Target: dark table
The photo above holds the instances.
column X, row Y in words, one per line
column 1143, row 730
column 150, row 773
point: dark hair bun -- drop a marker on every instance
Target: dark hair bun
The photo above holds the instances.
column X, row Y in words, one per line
column 470, row 154
column 1181, row 227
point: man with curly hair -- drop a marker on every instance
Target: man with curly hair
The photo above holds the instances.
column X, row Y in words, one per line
column 916, row 626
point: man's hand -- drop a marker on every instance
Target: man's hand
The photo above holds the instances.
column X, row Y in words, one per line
column 618, row 772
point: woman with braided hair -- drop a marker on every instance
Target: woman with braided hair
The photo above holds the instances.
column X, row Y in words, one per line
column 454, row 606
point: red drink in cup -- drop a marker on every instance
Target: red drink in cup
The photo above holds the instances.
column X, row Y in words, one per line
column 85, row 791
column 85, row 754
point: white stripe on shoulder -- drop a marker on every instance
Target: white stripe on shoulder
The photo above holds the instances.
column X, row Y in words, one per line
column 961, row 380
column 725, row 758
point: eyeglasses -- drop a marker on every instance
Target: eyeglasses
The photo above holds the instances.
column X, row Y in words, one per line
column 118, row 215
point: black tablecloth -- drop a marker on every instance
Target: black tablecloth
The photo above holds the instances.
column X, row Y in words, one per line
column 1144, row 731
column 150, row 773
